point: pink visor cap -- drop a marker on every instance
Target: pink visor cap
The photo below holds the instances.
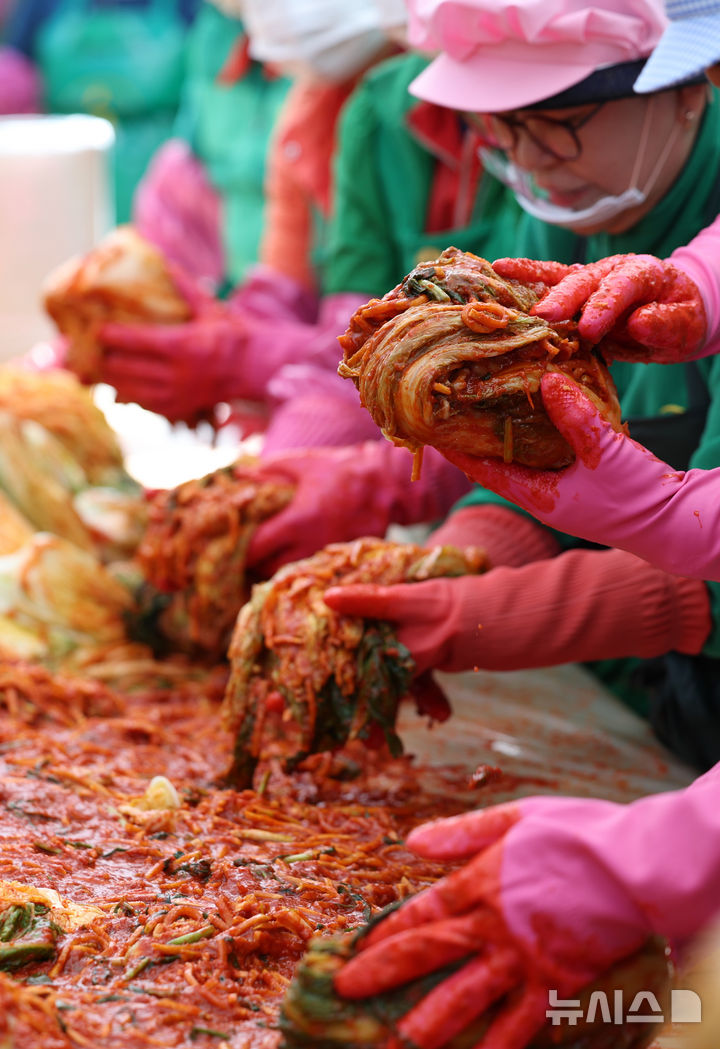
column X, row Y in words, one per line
column 497, row 55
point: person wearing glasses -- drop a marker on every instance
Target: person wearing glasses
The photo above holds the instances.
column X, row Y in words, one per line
column 618, row 492
column 598, row 171
column 553, row 891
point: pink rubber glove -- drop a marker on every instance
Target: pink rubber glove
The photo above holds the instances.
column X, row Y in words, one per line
column 179, row 370
column 634, row 307
column 346, row 493
column 328, row 415
column 267, row 293
column 507, row 538
column 556, row 890
column 579, row 606
column 177, row 208
column 224, row 353
column 616, row 492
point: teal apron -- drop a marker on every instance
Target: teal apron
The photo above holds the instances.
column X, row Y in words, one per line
column 228, row 122
column 122, row 63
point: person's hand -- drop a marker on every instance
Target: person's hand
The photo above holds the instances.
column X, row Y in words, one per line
column 634, row 307
column 178, row 370
column 616, row 492
column 345, row 493
column 553, row 893
column 339, row 496
column 578, row 606
column 436, row 620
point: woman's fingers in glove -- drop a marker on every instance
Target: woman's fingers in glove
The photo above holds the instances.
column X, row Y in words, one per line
column 415, row 953
column 372, row 601
column 672, row 330
column 458, row 893
column 518, row 1021
column 460, row 837
column 569, row 295
column 575, row 416
column 447, row 1010
column 640, row 279
column 532, row 271
column 668, row 325
column 132, row 369
column 158, row 340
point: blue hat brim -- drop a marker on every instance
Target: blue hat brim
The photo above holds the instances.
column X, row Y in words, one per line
column 687, row 47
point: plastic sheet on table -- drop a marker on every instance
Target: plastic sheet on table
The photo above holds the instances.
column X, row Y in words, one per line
column 550, row 731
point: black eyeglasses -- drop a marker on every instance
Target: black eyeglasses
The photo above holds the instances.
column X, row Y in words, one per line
column 558, row 138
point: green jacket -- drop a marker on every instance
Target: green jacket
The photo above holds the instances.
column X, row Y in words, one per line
column 228, row 126
column 651, row 389
column 384, row 175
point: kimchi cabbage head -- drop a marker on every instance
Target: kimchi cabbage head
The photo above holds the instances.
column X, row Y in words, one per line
column 124, row 279
column 453, row 358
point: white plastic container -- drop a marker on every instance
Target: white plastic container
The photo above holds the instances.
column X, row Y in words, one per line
column 56, row 201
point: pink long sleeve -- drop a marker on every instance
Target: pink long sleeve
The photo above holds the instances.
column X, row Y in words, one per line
column 273, row 343
column 700, row 260
column 664, row 850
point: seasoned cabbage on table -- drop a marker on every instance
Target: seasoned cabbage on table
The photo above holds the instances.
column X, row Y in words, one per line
column 193, row 555
column 305, row 678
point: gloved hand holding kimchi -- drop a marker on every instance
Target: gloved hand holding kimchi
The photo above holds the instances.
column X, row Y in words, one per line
column 317, row 1016
column 306, row 678
column 124, row 279
column 193, row 555
column 553, row 894
column 633, row 307
column 453, row 358
column 616, row 492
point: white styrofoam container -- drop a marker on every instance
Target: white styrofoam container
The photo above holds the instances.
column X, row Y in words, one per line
column 56, row 200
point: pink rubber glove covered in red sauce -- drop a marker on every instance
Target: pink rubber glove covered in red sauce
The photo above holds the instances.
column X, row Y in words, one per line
column 634, row 307
column 554, row 891
column 615, row 493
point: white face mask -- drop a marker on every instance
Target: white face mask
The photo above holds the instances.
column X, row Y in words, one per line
column 601, row 212
column 330, row 39
column 530, row 197
column 341, row 61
